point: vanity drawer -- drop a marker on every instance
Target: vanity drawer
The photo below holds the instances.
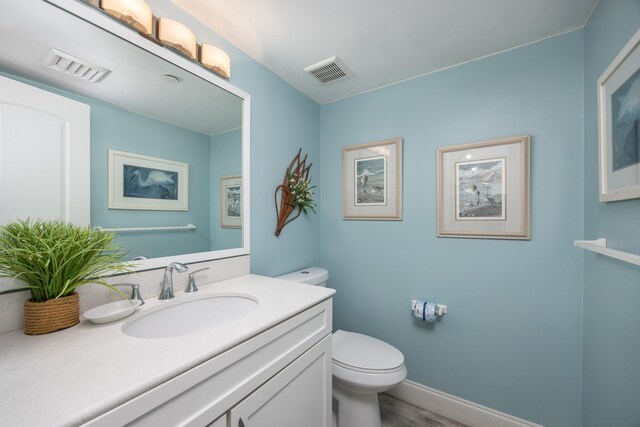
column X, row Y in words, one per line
column 207, row 391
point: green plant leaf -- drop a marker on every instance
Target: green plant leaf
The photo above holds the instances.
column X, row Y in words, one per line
column 54, row 258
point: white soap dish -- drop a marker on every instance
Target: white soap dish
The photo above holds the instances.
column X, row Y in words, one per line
column 111, row 312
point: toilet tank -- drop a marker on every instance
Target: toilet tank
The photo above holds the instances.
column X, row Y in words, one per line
column 311, row 276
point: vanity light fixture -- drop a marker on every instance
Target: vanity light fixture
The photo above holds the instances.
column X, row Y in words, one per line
column 216, row 60
column 177, row 36
column 135, row 13
column 172, row 34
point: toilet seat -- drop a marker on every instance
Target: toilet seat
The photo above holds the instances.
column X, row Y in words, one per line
column 367, row 371
column 362, row 353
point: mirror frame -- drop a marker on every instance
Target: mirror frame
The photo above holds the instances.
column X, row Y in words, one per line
column 95, row 17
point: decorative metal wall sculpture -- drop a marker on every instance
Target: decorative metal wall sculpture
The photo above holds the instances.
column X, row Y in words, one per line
column 296, row 192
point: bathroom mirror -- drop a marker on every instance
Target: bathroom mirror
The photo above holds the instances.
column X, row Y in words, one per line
column 163, row 130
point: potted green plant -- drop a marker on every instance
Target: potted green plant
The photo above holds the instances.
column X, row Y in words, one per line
column 53, row 258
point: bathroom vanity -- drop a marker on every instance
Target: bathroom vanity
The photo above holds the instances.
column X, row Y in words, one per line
column 269, row 367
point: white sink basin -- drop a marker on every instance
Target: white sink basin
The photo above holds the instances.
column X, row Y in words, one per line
column 188, row 316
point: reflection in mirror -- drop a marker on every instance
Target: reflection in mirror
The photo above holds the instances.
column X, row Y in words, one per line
column 179, row 134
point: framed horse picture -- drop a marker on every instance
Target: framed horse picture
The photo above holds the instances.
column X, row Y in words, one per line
column 483, row 189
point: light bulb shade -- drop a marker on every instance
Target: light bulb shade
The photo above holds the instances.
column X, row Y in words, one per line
column 135, row 13
column 215, row 59
column 177, row 36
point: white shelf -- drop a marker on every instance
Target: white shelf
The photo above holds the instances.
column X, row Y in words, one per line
column 600, row 246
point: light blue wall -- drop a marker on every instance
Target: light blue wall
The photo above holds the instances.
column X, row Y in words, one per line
column 611, row 390
column 512, row 338
column 112, row 128
column 282, row 121
column 226, row 159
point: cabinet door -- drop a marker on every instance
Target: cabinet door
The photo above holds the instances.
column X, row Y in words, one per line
column 299, row 395
column 220, row 422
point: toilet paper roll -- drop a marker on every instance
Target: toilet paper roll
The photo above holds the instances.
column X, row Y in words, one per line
column 426, row 311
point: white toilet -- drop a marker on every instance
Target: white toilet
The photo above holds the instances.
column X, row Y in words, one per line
column 363, row 366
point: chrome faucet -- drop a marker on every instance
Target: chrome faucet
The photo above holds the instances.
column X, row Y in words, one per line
column 167, row 282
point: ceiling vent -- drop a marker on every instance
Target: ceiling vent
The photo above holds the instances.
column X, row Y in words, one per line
column 329, row 70
column 75, row 67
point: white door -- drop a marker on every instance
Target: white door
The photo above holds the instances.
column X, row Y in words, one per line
column 300, row 395
column 44, row 155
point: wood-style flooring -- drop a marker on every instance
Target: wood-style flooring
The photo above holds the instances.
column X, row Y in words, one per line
column 398, row 413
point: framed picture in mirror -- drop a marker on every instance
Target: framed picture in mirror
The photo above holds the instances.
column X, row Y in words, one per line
column 231, row 201
column 619, row 125
column 147, row 183
column 372, row 181
column 483, row 190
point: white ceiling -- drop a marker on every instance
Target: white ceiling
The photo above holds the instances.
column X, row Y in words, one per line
column 380, row 41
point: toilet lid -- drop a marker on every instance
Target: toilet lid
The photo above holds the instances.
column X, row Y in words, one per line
column 364, row 352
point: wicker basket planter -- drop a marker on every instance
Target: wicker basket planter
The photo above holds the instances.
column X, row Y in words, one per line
column 51, row 315
column 54, row 258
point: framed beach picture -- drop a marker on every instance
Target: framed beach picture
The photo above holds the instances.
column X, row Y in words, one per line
column 619, row 125
column 483, row 189
column 231, row 201
column 372, row 181
column 147, row 183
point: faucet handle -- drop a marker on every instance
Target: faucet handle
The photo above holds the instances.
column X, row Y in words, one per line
column 135, row 291
column 192, row 281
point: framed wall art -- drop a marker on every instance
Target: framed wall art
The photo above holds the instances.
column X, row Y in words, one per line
column 147, row 183
column 483, row 190
column 231, row 201
column 619, row 125
column 372, row 181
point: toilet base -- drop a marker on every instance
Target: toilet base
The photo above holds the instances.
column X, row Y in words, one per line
column 356, row 409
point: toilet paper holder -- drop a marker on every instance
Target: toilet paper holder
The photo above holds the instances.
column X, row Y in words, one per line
column 441, row 309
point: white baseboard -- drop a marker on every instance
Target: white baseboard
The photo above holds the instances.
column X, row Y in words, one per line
column 455, row 408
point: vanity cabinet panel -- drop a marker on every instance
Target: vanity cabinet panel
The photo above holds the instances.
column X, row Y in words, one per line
column 207, row 391
column 220, row 422
column 300, row 395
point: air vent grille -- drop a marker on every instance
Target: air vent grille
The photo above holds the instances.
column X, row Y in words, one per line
column 75, row 67
column 329, row 70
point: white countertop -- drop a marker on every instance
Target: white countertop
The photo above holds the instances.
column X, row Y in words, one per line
column 70, row 376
